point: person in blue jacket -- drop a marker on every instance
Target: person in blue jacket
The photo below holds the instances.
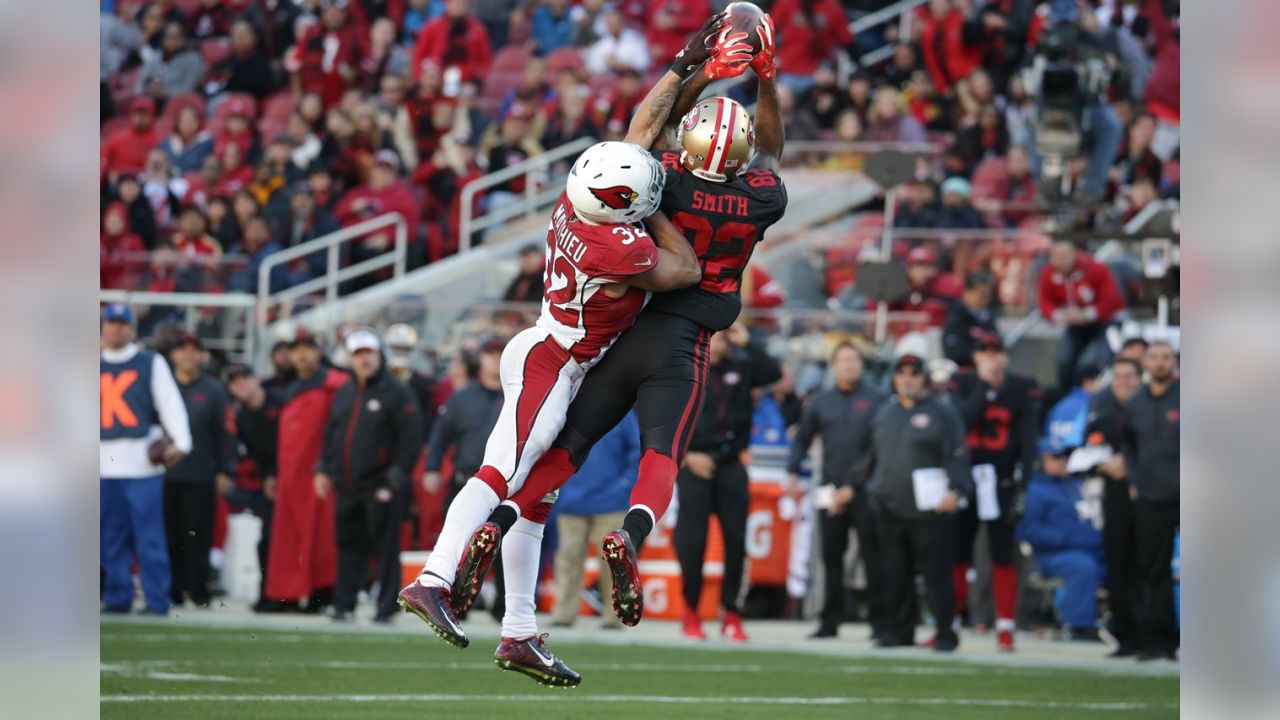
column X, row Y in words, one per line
column 1065, row 538
column 1068, row 418
column 591, row 504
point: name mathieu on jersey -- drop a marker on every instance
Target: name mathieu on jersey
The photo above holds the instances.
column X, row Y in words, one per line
column 723, row 221
column 579, row 306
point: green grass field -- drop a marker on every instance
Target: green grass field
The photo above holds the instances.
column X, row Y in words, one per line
column 155, row 670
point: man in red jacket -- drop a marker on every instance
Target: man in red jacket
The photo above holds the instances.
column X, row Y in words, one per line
column 125, row 151
column 384, row 193
column 670, row 23
column 455, row 40
column 303, row 561
column 1080, row 294
column 326, row 56
column 808, row 35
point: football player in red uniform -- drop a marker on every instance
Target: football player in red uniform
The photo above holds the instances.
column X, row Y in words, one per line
column 722, row 191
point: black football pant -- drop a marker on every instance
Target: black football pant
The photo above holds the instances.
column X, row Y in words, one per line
column 1119, row 542
column 659, row 366
column 909, row 547
column 1157, row 523
column 188, row 524
column 860, row 516
column 368, row 529
column 727, row 495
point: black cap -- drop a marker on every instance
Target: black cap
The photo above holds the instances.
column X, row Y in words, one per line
column 304, row 337
column 235, row 371
column 988, row 341
column 909, row 360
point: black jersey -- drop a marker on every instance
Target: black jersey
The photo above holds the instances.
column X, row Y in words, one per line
column 723, row 222
column 1002, row 422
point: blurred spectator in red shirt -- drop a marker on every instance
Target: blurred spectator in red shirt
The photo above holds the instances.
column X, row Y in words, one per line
column 998, row 29
column 617, row 47
column 239, row 129
column 1164, row 88
column 382, row 57
column 1081, row 295
column 760, row 290
column 454, row 40
column 949, row 60
column 122, row 251
column 569, row 119
column 202, row 186
column 889, row 122
column 809, row 33
column 176, row 69
column 670, row 24
column 193, row 241
column 984, row 139
column 613, row 113
column 236, row 174
column 1007, row 180
column 190, row 143
column 125, row 151
column 365, row 13
column 927, row 291
column 923, row 103
column 384, row 193
column 246, row 69
column 210, row 19
column 443, row 176
column 325, row 57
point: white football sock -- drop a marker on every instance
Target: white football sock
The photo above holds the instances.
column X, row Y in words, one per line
column 469, row 509
column 1006, row 624
column 521, row 551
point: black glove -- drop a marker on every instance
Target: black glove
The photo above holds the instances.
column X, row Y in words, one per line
column 697, row 48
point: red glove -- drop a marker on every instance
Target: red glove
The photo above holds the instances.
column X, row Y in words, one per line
column 730, row 56
column 763, row 62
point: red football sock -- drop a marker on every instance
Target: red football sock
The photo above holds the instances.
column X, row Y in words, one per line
column 551, row 471
column 654, row 485
column 1004, row 589
column 960, row 579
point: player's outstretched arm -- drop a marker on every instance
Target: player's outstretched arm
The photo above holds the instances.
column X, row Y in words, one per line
column 768, row 124
column 677, row 265
column 651, row 115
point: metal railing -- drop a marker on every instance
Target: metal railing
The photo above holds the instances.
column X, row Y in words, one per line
column 534, row 198
column 333, row 276
column 236, row 338
column 899, row 12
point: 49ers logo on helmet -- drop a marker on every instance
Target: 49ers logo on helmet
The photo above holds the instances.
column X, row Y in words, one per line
column 691, row 119
column 618, row 197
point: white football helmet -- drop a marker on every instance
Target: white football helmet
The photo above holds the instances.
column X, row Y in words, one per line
column 401, row 341
column 615, row 182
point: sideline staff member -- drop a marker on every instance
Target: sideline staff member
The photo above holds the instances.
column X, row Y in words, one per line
column 371, row 444
column 912, row 431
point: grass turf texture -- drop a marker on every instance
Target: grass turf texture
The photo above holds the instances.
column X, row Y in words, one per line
column 153, row 670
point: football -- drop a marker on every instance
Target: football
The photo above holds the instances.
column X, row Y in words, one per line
column 744, row 17
column 157, row 449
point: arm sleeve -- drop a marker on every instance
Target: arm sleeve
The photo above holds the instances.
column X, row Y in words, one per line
column 955, row 453
column 804, row 438
column 327, row 463
column 408, row 426
column 764, row 368
column 628, row 260
column 1109, row 299
column 442, row 437
column 227, row 444
column 168, row 402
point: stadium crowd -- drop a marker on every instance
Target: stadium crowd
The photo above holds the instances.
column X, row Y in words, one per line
column 234, row 128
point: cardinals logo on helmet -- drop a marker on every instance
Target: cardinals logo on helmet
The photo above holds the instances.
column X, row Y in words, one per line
column 617, row 197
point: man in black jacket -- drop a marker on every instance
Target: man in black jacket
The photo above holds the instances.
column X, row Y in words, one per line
column 713, row 480
column 1154, row 465
column 969, row 318
column 1108, row 423
column 371, row 442
column 191, row 485
column 842, row 417
column 915, row 433
column 1001, row 411
column 257, row 423
column 465, row 423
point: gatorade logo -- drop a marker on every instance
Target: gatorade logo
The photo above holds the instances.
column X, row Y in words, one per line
column 112, row 390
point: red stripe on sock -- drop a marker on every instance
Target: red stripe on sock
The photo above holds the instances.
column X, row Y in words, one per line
column 1004, row 590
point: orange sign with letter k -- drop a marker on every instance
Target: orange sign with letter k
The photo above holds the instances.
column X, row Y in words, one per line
column 114, row 407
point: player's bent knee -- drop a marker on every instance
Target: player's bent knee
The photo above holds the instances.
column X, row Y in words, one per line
column 490, row 476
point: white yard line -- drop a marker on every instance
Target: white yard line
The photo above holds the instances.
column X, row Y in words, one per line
column 579, row 698
column 138, row 668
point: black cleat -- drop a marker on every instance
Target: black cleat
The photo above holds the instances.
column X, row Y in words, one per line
column 474, row 565
column 628, row 593
column 432, row 605
column 530, row 656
